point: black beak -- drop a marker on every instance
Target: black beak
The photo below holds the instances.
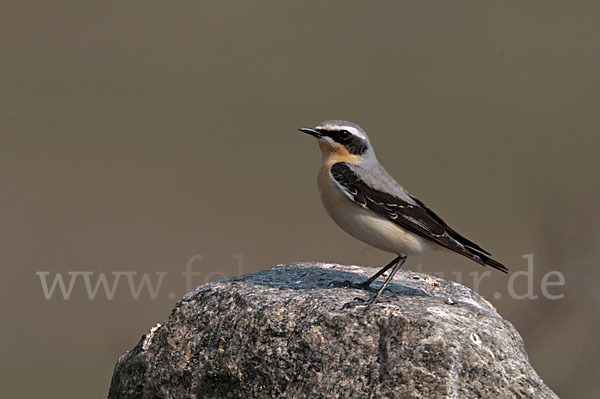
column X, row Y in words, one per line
column 311, row 131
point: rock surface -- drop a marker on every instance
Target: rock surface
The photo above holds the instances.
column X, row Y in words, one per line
column 285, row 333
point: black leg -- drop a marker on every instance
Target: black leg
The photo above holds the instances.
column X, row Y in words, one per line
column 399, row 258
column 396, row 264
column 365, row 285
column 400, row 261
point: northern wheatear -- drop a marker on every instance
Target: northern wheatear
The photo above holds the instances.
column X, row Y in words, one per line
column 365, row 201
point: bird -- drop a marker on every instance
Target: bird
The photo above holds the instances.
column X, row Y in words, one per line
column 365, row 201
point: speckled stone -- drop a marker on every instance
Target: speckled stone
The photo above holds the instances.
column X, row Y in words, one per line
column 285, row 333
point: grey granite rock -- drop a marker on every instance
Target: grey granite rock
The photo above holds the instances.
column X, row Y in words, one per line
column 285, row 333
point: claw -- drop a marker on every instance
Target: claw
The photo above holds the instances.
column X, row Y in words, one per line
column 350, row 284
column 355, row 302
column 359, row 286
column 340, row 284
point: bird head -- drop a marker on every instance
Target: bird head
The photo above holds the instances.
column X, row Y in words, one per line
column 342, row 140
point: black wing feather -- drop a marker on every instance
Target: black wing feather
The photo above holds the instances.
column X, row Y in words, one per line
column 463, row 240
column 416, row 218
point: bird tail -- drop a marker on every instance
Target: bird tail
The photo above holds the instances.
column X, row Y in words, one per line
column 484, row 259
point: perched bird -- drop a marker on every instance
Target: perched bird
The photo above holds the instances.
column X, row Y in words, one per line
column 365, row 201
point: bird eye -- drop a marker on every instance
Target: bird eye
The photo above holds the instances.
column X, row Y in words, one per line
column 344, row 134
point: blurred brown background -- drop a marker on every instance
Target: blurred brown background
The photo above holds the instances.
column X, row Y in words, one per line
column 135, row 135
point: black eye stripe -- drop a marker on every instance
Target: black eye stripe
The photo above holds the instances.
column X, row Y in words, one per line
column 337, row 134
column 355, row 145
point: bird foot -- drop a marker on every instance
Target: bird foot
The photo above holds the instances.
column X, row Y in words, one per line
column 350, row 284
column 358, row 301
column 359, row 286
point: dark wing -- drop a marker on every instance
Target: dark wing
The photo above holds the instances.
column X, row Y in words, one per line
column 464, row 241
column 416, row 218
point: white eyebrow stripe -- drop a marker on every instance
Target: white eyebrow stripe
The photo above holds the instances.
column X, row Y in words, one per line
column 354, row 131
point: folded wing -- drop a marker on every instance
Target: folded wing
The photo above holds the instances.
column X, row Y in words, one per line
column 414, row 217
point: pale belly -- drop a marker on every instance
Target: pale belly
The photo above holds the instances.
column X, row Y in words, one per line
column 365, row 225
